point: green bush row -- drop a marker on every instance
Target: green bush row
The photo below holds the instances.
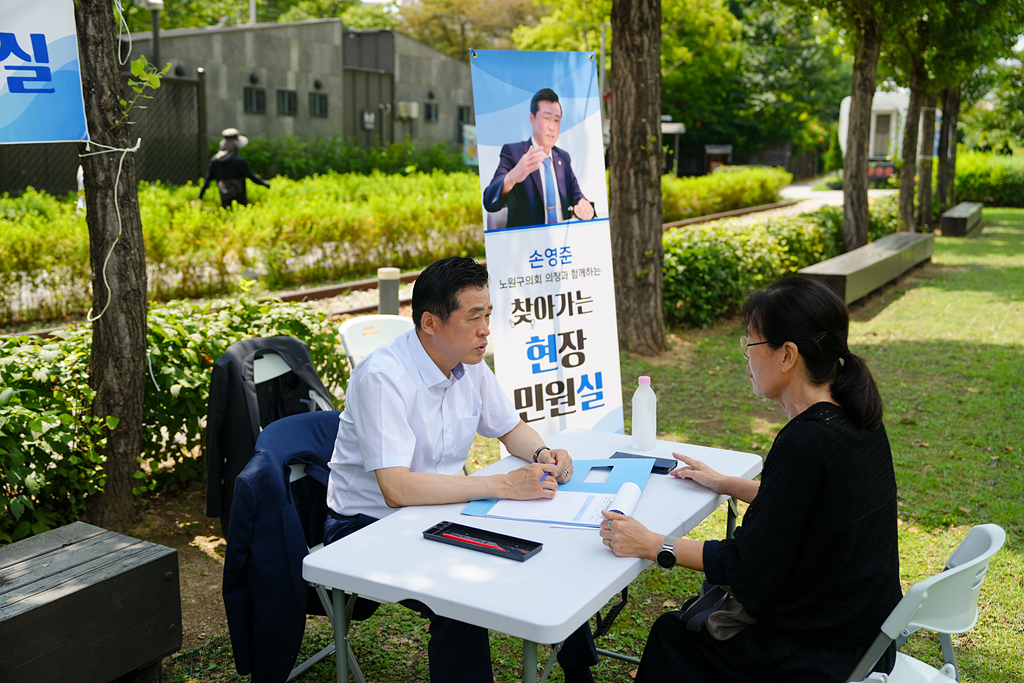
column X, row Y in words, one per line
column 683, row 198
column 49, row 459
column 298, row 157
column 710, row 268
column 992, row 179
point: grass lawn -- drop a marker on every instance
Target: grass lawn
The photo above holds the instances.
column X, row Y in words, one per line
column 947, row 349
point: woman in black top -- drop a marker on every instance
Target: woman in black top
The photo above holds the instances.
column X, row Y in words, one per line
column 816, row 561
column 229, row 170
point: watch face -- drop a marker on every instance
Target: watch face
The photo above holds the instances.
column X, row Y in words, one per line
column 666, row 559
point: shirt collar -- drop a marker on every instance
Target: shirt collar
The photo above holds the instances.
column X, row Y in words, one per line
column 425, row 365
column 533, row 142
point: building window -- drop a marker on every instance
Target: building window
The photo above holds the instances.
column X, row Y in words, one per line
column 255, row 100
column 465, row 114
column 430, row 112
column 318, row 105
column 287, row 103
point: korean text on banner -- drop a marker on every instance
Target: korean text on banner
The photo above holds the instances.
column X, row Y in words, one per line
column 553, row 329
column 40, row 82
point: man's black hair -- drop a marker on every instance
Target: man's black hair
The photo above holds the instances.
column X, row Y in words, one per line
column 437, row 288
column 544, row 95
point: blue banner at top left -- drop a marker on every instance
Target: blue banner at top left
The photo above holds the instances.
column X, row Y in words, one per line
column 40, row 83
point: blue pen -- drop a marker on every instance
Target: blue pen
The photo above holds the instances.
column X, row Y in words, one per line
column 545, row 476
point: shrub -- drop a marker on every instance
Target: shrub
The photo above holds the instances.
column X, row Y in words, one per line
column 992, row 179
column 49, row 459
column 738, row 188
column 298, row 157
column 709, row 269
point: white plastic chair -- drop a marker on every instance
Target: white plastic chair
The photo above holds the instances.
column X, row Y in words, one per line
column 270, row 365
column 945, row 603
column 361, row 335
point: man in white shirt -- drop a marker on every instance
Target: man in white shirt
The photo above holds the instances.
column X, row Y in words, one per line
column 534, row 178
column 412, row 410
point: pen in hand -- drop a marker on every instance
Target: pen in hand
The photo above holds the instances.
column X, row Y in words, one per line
column 545, row 476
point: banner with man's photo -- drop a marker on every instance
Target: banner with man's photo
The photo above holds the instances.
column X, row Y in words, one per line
column 40, row 83
column 545, row 205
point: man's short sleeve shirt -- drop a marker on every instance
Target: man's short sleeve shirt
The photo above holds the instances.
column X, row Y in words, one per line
column 401, row 411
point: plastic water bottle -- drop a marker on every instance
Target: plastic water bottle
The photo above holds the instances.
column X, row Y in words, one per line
column 645, row 415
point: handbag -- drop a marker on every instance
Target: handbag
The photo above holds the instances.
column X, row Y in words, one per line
column 717, row 610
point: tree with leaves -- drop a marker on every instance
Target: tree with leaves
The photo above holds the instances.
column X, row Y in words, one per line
column 117, row 361
column 454, row 26
column 635, row 178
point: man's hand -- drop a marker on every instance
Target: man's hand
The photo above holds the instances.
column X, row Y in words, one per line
column 525, row 483
column 583, row 210
column 561, row 458
column 527, row 164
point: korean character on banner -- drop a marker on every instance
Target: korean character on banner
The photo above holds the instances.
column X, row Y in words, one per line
column 552, row 256
column 597, row 272
column 542, row 309
column 565, row 256
column 41, row 74
column 582, row 301
column 536, row 260
column 565, row 275
column 594, row 398
column 537, row 279
column 519, row 281
column 540, row 350
column 521, row 310
column 502, row 284
column 511, row 282
column 529, row 399
column 590, row 272
column 577, row 357
column 561, row 394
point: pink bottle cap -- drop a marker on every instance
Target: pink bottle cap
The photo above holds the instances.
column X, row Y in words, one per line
column 644, row 379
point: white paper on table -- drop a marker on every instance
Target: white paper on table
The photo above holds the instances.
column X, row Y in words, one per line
column 570, row 507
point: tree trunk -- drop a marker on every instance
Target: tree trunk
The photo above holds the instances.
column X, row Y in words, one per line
column 944, row 137
column 635, row 160
column 858, row 137
column 905, row 217
column 951, row 112
column 118, row 356
column 924, row 187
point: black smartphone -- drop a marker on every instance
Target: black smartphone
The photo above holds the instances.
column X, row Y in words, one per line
column 661, row 465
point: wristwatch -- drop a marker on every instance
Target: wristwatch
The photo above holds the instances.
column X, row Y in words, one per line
column 667, row 554
column 536, row 453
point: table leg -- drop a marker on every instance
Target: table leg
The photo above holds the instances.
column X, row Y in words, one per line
column 734, row 513
column 340, row 619
column 529, row 661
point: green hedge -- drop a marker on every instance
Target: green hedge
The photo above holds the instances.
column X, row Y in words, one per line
column 710, row 268
column 991, row 179
column 49, row 464
column 298, row 157
column 737, row 188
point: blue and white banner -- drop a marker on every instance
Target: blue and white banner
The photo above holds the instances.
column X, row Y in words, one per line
column 553, row 329
column 40, row 82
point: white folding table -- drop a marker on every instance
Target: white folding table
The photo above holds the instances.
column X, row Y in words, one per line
column 390, row 560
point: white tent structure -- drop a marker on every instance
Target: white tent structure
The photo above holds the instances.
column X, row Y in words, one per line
column 888, row 118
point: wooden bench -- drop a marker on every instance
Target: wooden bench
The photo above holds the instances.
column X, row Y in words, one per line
column 961, row 220
column 857, row 273
column 82, row 604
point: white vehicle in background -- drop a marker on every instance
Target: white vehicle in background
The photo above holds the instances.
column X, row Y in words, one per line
column 888, row 119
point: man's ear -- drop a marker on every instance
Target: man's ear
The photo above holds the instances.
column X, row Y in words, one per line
column 429, row 323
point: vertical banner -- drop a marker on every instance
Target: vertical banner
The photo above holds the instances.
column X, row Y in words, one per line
column 545, row 206
column 40, row 83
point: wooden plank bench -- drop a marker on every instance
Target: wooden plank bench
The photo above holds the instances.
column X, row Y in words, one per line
column 80, row 604
column 857, row 273
column 961, row 220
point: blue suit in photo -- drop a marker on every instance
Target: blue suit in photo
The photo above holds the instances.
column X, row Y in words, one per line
column 526, row 200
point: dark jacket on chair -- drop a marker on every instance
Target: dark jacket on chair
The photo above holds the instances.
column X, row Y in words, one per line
column 272, row 523
column 237, row 409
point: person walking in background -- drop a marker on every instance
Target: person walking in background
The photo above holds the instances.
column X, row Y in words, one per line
column 230, row 170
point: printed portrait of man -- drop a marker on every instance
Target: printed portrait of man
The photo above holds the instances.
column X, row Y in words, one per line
column 534, row 178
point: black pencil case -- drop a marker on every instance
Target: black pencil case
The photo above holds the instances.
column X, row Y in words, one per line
column 483, row 541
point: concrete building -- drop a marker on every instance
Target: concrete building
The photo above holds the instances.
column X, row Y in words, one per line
column 316, row 78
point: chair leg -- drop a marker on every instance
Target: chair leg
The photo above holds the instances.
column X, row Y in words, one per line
column 948, row 655
column 551, row 661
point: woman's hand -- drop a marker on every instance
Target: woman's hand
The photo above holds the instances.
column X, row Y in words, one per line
column 627, row 537
column 699, row 472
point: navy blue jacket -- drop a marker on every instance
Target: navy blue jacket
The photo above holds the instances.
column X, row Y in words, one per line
column 272, row 523
column 526, row 200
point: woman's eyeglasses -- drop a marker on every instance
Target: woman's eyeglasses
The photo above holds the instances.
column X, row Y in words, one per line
column 745, row 346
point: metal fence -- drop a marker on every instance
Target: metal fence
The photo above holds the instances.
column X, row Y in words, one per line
column 172, row 128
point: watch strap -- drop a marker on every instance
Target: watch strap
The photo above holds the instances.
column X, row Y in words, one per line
column 536, row 453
